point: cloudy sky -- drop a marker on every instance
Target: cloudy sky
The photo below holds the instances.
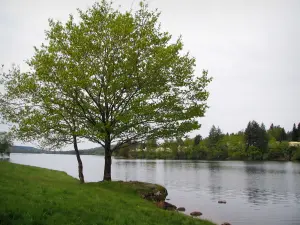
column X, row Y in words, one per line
column 251, row 49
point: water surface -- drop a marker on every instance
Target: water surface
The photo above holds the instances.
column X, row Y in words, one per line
column 257, row 193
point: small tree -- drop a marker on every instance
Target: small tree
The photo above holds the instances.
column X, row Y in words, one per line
column 215, row 135
column 120, row 73
column 298, row 129
column 197, row 139
column 294, row 133
column 5, row 143
column 257, row 137
column 283, row 135
column 278, row 133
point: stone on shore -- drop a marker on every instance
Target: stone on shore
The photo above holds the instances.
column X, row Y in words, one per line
column 148, row 191
column 166, row 206
column 181, row 209
column 196, row 213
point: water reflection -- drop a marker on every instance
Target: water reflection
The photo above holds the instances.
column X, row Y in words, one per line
column 255, row 182
column 215, row 180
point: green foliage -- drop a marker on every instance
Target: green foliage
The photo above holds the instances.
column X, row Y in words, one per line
column 236, row 146
column 295, row 133
column 218, row 146
column 257, row 137
column 31, row 195
column 123, row 151
column 215, row 134
column 298, row 129
column 278, row 133
column 296, row 154
column 197, row 139
column 5, row 142
column 111, row 78
column 254, row 153
column 277, row 149
column 290, row 151
column 151, row 143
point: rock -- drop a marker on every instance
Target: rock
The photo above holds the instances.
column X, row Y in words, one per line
column 166, row 206
column 222, row 202
column 148, row 191
column 181, row 209
column 169, row 206
column 195, row 213
column 226, row 223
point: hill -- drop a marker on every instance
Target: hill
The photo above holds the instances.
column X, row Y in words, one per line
column 28, row 149
column 49, row 197
column 25, row 149
column 91, row 151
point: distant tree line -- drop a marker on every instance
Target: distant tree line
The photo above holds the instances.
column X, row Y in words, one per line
column 254, row 143
column 25, row 149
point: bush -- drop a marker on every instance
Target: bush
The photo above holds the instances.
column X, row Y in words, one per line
column 254, row 153
column 296, row 155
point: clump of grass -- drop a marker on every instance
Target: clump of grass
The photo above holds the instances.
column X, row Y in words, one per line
column 31, row 195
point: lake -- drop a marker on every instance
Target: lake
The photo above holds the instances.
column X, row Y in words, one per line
column 257, row 193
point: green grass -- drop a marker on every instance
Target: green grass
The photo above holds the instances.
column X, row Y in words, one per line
column 31, row 195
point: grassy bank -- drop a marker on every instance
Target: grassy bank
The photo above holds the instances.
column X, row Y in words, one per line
column 31, row 195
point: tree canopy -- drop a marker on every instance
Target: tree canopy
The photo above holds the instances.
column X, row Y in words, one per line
column 256, row 138
column 295, row 133
column 117, row 75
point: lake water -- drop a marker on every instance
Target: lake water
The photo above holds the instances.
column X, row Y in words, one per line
column 257, row 193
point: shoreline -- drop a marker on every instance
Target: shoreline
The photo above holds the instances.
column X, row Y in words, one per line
column 53, row 197
column 123, row 158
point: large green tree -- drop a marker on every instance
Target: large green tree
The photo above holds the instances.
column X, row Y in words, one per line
column 120, row 74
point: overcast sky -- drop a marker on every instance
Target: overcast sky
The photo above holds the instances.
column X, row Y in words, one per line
column 250, row 48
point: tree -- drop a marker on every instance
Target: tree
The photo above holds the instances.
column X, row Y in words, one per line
column 257, row 137
column 5, row 143
column 298, row 128
column 294, row 133
column 215, row 134
column 236, row 146
column 277, row 132
column 197, row 139
column 121, row 75
column 283, row 135
column 151, row 143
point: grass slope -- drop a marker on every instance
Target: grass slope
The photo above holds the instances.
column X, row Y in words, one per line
column 31, row 195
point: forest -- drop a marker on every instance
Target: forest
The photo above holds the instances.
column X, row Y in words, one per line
column 254, row 143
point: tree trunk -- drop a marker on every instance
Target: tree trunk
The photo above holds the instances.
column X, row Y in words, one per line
column 107, row 164
column 80, row 166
